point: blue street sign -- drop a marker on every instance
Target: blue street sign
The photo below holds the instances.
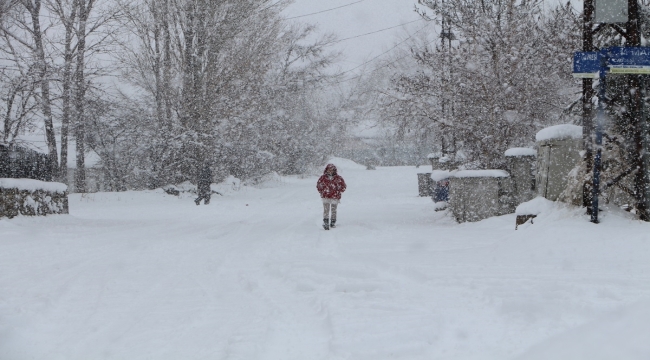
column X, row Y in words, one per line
column 629, row 60
column 586, row 64
column 619, row 60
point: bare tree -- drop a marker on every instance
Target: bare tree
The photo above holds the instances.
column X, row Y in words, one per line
column 67, row 14
column 37, row 46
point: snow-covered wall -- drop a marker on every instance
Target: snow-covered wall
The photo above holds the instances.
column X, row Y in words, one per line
column 33, row 185
column 32, row 197
column 479, row 194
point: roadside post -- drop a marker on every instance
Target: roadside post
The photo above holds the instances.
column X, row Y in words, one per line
column 613, row 60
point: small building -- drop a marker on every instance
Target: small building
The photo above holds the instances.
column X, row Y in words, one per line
column 558, row 152
column 475, row 195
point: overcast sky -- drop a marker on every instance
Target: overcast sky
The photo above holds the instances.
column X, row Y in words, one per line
column 357, row 17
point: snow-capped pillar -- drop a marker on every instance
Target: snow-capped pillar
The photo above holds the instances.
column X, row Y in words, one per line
column 433, row 160
column 558, row 152
column 475, row 195
column 521, row 163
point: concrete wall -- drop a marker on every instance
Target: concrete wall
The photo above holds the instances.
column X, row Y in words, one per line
column 521, row 169
column 555, row 159
column 477, row 198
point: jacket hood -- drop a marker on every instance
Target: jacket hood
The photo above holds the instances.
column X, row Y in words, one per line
column 330, row 167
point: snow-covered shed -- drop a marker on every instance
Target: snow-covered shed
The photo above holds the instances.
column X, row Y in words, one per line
column 558, row 152
column 520, row 163
column 475, row 195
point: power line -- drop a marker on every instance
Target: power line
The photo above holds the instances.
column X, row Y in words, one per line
column 322, row 11
column 385, row 52
column 374, row 32
column 380, row 67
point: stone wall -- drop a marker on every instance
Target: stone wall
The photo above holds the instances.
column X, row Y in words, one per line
column 15, row 201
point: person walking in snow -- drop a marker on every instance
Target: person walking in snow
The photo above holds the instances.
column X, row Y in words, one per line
column 203, row 186
column 330, row 186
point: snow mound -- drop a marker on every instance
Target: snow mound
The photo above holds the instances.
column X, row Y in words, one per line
column 32, row 185
column 438, row 175
column 521, row 152
column 345, row 164
column 228, row 186
column 535, row 207
column 481, row 173
column 565, row 131
column 624, row 334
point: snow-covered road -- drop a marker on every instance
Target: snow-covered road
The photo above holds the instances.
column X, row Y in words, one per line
column 145, row 275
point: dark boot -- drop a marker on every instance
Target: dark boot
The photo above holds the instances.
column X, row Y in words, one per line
column 197, row 201
column 333, row 223
column 326, row 224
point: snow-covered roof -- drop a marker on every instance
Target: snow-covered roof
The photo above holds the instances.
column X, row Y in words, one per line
column 433, row 156
column 521, row 152
column 559, row 132
column 32, row 185
column 37, row 143
column 438, row 175
column 481, row 173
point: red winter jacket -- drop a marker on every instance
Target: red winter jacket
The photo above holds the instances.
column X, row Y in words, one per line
column 330, row 186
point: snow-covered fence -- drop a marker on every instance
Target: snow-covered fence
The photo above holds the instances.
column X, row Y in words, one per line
column 475, row 195
column 520, row 164
column 558, row 153
column 32, row 197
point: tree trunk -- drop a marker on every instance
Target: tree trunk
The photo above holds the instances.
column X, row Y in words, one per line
column 634, row 112
column 46, row 104
column 68, row 58
column 80, row 87
column 167, row 64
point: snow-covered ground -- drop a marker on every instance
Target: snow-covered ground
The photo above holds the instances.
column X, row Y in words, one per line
column 145, row 275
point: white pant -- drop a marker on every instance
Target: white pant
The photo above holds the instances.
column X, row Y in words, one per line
column 330, row 204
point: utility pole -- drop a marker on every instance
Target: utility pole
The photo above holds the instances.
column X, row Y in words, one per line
column 587, row 105
column 635, row 107
column 446, row 37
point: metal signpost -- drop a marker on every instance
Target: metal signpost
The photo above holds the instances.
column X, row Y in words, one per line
column 615, row 60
